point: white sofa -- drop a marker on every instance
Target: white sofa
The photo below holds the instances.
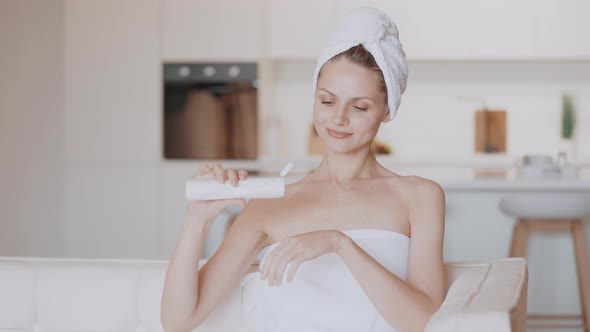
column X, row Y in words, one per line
column 50, row 294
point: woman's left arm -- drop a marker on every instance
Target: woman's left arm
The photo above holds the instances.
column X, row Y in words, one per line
column 407, row 306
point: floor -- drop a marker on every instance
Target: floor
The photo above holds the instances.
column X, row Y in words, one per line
column 571, row 323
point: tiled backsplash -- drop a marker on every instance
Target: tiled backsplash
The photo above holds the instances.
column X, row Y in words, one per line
column 437, row 114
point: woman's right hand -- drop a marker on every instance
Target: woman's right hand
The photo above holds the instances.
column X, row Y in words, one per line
column 206, row 211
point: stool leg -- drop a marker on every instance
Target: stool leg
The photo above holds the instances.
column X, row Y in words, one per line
column 520, row 236
column 583, row 269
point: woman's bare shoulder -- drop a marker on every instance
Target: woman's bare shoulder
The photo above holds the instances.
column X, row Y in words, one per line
column 416, row 188
column 415, row 182
column 420, row 191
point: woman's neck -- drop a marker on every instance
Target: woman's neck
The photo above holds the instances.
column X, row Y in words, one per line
column 343, row 167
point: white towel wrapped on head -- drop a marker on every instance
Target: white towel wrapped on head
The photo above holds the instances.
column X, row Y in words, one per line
column 374, row 30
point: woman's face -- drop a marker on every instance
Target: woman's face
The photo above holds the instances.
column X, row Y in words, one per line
column 349, row 106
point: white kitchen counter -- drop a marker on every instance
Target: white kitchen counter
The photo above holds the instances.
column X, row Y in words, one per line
column 488, row 173
column 474, row 179
column 516, row 185
column 502, row 179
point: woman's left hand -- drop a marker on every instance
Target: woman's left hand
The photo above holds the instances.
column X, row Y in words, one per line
column 298, row 249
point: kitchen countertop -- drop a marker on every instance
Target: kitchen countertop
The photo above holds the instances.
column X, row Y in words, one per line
column 485, row 173
column 507, row 179
column 474, row 179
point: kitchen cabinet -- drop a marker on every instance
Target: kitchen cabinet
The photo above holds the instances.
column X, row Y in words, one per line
column 112, row 81
column 112, row 212
column 445, row 30
column 463, row 29
column 475, row 228
column 561, row 29
column 174, row 204
column 498, row 30
column 298, row 30
column 112, row 128
column 224, row 30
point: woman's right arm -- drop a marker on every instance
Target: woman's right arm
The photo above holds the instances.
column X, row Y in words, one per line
column 191, row 294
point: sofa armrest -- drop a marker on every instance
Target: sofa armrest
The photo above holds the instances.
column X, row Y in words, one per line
column 483, row 296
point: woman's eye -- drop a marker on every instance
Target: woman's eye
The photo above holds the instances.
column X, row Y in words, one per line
column 361, row 108
column 326, row 102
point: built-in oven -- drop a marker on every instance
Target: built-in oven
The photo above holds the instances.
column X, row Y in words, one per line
column 210, row 111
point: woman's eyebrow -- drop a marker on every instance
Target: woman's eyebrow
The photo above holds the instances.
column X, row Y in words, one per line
column 322, row 89
column 363, row 97
column 354, row 98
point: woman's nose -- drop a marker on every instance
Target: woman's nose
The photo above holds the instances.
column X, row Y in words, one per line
column 340, row 116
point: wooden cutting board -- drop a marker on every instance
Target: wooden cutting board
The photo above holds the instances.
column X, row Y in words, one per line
column 490, row 131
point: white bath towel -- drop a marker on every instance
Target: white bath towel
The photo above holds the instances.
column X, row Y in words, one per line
column 374, row 30
column 324, row 295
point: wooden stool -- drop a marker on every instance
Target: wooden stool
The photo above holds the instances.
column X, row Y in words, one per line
column 550, row 211
column 575, row 227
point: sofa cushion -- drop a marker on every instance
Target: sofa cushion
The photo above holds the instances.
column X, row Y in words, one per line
column 479, row 292
column 55, row 294
column 149, row 297
column 76, row 297
column 17, row 295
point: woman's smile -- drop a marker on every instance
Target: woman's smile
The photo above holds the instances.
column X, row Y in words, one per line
column 338, row 134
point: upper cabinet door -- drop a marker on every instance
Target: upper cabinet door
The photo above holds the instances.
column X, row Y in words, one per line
column 498, row 30
column 220, row 30
column 437, row 29
column 112, row 78
column 469, row 30
column 562, row 29
column 299, row 29
column 444, row 30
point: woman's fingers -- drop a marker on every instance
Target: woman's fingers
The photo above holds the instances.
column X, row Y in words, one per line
column 295, row 262
column 219, row 172
column 280, row 270
column 205, row 172
column 275, row 270
column 203, row 169
column 276, row 262
column 282, row 262
column 232, row 175
column 268, row 263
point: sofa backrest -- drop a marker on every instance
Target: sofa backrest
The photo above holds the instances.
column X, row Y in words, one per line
column 55, row 294
column 80, row 295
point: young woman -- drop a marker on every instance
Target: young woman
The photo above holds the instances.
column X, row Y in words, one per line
column 352, row 246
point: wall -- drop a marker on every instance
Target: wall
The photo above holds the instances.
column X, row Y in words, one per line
column 31, row 127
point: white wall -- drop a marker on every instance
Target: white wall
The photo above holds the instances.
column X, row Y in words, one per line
column 433, row 119
column 31, row 127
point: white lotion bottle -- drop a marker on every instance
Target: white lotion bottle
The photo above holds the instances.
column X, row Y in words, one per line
column 258, row 187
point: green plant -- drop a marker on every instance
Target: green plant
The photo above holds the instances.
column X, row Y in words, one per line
column 568, row 120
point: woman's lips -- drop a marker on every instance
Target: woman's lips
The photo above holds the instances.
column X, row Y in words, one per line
column 337, row 134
